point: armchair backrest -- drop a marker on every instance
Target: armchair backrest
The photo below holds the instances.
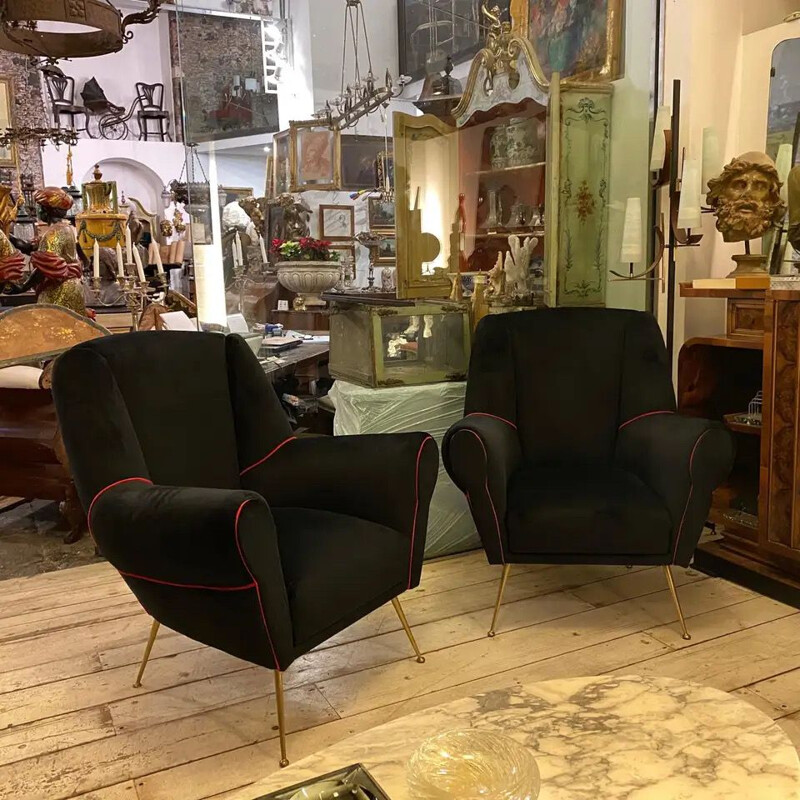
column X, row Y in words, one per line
column 568, row 378
column 177, row 408
column 61, row 89
column 150, row 95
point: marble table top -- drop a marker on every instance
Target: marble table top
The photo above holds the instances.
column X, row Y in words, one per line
column 615, row 738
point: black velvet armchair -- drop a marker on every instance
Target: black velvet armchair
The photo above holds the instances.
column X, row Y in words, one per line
column 571, row 450
column 226, row 527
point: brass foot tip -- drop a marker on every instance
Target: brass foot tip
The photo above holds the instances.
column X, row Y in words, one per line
column 420, row 659
column 686, row 637
column 137, row 685
column 491, row 634
column 284, row 762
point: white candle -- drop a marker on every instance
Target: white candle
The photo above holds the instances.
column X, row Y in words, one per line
column 263, row 249
column 783, row 163
column 689, row 213
column 137, row 259
column 235, row 253
column 659, row 152
column 157, row 256
column 632, row 246
column 238, row 241
column 128, row 245
column 120, row 264
column 712, row 157
column 96, row 259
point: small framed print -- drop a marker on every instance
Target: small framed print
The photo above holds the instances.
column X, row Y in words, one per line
column 387, row 251
column 317, row 156
column 381, row 214
column 337, row 223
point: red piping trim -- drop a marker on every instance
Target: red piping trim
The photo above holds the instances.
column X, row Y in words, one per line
column 416, row 510
column 187, row 585
column 103, row 491
column 268, row 455
column 488, row 493
column 691, row 491
column 492, row 416
column 255, row 583
column 642, row 416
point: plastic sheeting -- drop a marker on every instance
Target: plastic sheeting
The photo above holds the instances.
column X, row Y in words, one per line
column 432, row 408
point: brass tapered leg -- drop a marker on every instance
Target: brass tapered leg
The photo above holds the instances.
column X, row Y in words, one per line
column 284, row 762
column 677, row 602
column 404, row 622
column 503, row 580
column 148, row 648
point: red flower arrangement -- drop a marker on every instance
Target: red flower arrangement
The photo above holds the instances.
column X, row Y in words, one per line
column 304, row 249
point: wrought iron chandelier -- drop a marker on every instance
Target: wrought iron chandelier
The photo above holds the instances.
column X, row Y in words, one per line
column 26, row 135
column 363, row 95
column 101, row 28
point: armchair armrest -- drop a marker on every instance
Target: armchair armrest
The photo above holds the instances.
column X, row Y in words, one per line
column 682, row 459
column 386, row 478
column 218, row 540
column 481, row 453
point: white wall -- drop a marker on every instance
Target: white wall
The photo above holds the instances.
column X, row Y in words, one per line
column 725, row 84
column 145, row 58
column 143, row 167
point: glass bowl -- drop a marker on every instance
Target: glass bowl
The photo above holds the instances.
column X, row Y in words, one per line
column 473, row 765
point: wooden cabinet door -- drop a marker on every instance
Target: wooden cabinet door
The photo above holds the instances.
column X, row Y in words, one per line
column 584, row 164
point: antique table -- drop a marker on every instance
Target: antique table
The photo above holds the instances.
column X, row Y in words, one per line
column 615, row 738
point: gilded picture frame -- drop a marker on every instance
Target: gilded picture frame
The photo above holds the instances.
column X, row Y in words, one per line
column 7, row 154
column 316, row 156
column 269, row 183
column 283, row 169
column 584, row 45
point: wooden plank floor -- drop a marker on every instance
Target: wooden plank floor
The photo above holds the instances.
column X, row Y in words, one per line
column 204, row 724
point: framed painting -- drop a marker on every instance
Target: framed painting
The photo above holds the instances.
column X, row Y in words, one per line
column 580, row 39
column 381, row 214
column 431, row 30
column 6, row 104
column 360, row 161
column 337, row 222
column 387, row 251
column 283, row 162
column 316, row 156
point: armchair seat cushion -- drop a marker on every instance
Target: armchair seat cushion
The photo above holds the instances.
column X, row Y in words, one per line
column 585, row 512
column 337, row 568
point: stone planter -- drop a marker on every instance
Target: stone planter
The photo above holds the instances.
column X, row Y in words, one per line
column 308, row 279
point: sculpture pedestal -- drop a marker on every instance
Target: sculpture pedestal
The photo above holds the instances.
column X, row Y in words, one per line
column 747, row 264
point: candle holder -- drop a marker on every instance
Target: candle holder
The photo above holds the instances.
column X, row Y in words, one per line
column 135, row 293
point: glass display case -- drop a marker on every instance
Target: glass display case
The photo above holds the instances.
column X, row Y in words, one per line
column 516, row 188
column 399, row 345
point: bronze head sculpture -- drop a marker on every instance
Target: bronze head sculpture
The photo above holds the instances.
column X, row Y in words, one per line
column 746, row 198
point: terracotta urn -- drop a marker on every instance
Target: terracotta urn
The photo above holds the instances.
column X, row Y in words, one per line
column 308, row 279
